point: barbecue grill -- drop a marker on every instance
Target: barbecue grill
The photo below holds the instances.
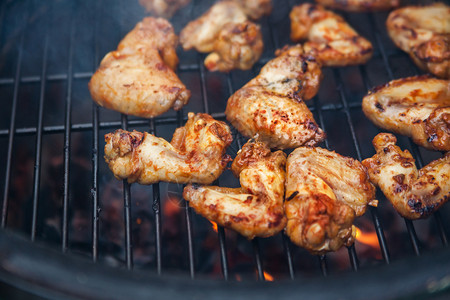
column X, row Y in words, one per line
column 69, row 229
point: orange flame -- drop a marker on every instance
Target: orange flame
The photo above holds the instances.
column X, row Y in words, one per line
column 267, row 276
column 214, row 225
column 238, row 277
column 367, row 238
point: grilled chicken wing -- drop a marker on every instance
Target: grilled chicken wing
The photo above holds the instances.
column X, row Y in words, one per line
column 138, row 78
column 324, row 193
column 335, row 42
column 238, row 46
column 195, row 154
column 418, row 107
column 255, row 9
column 163, row 8
column 255, row 209
column 413, row 193
column 225, row 31
column 271, row 105
column 424, row 33
column 360, row 5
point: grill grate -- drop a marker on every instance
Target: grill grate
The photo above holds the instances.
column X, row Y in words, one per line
column 325, row 111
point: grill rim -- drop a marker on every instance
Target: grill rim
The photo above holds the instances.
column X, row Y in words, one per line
column 22, row 265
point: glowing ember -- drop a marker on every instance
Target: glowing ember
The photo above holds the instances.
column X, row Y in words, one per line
column 214, row 226
column 267, row 276
column 367, row 238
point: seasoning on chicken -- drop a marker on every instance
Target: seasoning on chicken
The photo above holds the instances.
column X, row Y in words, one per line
column 256, row 208
column 324, row 193
column 238, row 46
column 195, row 154
column 414, row 193
column 224, row 30
column 335, row 42
column 360, row 5
column 138, row 78
column 163, row 8
column 418, row 107
column 424, row 33
column 272, row 104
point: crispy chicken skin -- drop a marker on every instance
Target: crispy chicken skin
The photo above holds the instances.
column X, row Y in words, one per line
column 254, row 210
column 224, row 30
column 360, row 5
column 138, row 78
column 324, row 193
column 195, row 154
column 414, row 193
column 271, row 105
column 163, row 8
column 238, row 46
column 418, row 107
column 424, row 33
column 335, row 42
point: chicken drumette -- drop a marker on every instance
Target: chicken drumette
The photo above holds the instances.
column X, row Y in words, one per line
column 413, row 193
column 224, row 30
column 138, row 78
column 163, row 8
column 195, row 154
column 324, row 193
column 335, row 43
column 418, row 107
column 360, row 5
column 255, row 209
column 272, row 104
column 424, row 33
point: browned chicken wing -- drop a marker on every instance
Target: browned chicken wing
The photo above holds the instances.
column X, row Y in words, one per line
column 255, row 209
column 413, row 193
column 255, row 9
column 272, row 104
column 335, row 43
column 225, row 31
column 424, row 33
column 195, row 154
column 418, row 107
column 238, row 46
column 163, row 8
column 324, row 193
column 138, row 78
column 360, row 5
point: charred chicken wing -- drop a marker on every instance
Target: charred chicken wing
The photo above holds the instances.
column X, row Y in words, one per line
column 272, row 104
column 335, row 43
column 360, row 5
column 418, row 107
column 413, row 193
column 138, row 78
column 424, row 33
column 163, row 8
column 324, row 193
column 255, row 209
column 195, row 154
column 225, row 31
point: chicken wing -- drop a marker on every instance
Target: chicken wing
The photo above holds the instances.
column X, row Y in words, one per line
column 255, row 209
column 335, row 42
column 418, row 107
column 324, row 193
column 138, row 78
column 225, row 31
column 195, row 154
column 238, row 46
column 255, row 9
column 360, row 5
column 424, row 33
column 413, row 193
column 163, row 8
column 271, row 105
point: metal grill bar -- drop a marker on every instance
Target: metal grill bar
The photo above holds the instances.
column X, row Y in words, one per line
column 223, row 252
column 12, row 123
column 257, row 255
column 288, row 256
column 37, row 161
column 323, row 264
